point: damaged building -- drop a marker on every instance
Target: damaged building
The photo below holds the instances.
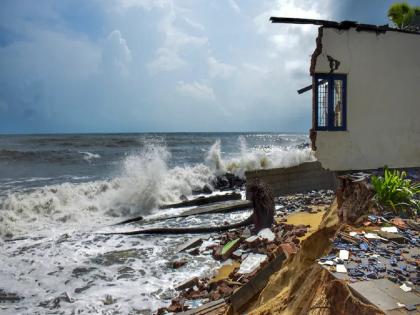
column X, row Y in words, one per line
column 366, row 95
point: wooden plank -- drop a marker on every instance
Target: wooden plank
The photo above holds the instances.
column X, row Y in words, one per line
column 244, row 294
column 206, row 308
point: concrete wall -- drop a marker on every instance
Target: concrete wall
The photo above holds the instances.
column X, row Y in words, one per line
column 383, row 100
column 302, row 178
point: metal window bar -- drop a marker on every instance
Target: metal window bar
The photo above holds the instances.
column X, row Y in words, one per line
column 338, row 103
column 322, row 103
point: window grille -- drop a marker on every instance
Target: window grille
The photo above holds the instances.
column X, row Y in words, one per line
column 330, row 98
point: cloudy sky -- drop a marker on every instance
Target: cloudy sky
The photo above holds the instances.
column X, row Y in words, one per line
column 161, row 65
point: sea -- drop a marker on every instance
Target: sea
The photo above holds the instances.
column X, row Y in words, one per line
column 61, row 194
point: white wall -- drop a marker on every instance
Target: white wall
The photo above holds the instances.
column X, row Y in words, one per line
column 383, row 100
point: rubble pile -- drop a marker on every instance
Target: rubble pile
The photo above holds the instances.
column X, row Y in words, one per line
column 292, row 203
column 251, row 252
column 242, row 255
column 383, row 247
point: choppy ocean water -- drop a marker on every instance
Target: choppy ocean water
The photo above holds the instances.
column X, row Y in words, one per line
column 59, row 192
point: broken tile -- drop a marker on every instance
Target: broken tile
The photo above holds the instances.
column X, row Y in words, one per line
column 344, row 254
column 341, row 268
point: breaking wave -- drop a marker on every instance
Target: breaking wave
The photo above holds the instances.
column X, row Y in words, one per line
column 247, row 159
column 144, row 182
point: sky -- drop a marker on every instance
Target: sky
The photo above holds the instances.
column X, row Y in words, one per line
column 161, row 65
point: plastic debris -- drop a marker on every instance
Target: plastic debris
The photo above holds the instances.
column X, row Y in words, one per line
column 344, row 254
column 405, row 288
column 364, row 246
column 251, row 263
column 327, row 263
column 372, row 236
column 251, row 239
column 267, row 234
column 230, row 247
column 389, row 229
column 341, row 268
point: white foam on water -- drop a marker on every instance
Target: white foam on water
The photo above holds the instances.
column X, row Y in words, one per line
column 88, row 156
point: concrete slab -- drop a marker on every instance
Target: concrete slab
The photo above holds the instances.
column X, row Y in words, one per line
column 297, row 179
column 221, row 207
column 384, row 294
column 204, row 200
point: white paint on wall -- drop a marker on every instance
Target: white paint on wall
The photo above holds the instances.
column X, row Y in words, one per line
column 383, row 100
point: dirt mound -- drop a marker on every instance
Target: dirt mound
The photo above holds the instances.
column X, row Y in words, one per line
column 303, row 287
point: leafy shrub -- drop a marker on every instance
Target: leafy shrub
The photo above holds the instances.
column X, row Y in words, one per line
column 394, row 191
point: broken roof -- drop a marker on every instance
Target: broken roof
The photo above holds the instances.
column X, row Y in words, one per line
column 344, row 25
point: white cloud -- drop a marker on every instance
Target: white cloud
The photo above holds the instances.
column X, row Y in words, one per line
column 168, row 56
column 145, row 4
column 219, row 69
column 235, row 6
column 116, row 53
column 196, row 91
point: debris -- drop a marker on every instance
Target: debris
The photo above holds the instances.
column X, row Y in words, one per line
column 398, row 222
column 371, row 236
column 246, row 233
column 389, row 229
column 251, row 263
column 244, row 294
column 214, row 307
column 398, row 238
column 341, row 268
column 109, row 300
column 178, row 263
column 194, row 242
column 344, row 254
column 187, row 284
column 364, row 246
column 229, row 248
column 405, row 288
column 288, row 249
column 349, row 237
column 251, row 239
column 204, row 200
column 267, row 234
column 177, row 305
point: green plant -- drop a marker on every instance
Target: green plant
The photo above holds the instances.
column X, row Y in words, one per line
column 393, row 190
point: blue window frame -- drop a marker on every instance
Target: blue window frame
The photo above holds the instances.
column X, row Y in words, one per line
column 330, row 102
